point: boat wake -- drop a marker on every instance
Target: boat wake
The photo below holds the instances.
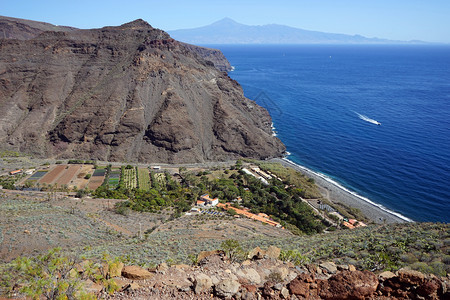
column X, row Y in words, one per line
column 367, row 119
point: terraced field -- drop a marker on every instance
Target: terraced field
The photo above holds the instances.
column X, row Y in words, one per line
column 51, row 176
column 68, row 174
column 144, row 179
column 129, row 178
column 97, row 178
column 114, row 178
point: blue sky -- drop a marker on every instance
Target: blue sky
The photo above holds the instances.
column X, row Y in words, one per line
column 426, row 20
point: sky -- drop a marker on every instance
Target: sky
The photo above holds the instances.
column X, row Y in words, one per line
column 426, row 20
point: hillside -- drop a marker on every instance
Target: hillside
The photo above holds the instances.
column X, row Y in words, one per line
column 228, row 31
column 126, row 93
column 169, row 253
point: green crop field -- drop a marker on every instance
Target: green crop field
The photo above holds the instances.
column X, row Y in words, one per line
column 129, row 178
column 144, row 179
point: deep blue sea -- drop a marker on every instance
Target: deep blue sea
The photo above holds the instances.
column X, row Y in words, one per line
column 325, row 102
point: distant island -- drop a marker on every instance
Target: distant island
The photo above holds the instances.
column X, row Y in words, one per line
column 228, row 31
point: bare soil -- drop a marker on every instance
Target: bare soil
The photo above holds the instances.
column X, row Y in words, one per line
column 51, row 176
column 70, row 172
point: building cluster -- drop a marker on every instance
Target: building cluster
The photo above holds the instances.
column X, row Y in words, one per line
column 262, row 217
column 207, row 201
column 352, row 223
column 20, row 171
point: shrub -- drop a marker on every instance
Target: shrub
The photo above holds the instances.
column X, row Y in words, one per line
column 233, row 250
column 87, row 176
column 46, row 276
column 294, row 256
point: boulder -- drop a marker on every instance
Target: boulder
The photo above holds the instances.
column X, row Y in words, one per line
column 227, row 288
column 183, row 267
column 301, row 285
column 273, row 252
column 410, row 276
column 250, row 275
column 92, row 287
column 284, row 293
column 330, row 267
column 349, row 285
column 256, row 253
column 136, row 273
column 204, row 254
column 386, row 275
column 120, row 282
column 202, row 283
column 162, row 267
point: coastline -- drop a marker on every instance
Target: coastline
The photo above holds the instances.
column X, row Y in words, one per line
column 340, row 194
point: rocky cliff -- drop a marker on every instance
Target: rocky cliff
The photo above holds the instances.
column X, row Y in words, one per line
column 124, row 93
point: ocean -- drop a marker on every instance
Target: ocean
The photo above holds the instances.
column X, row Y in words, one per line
column 375, row 119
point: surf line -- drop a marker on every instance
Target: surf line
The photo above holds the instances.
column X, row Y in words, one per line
column 367, row 119
column 341, row 187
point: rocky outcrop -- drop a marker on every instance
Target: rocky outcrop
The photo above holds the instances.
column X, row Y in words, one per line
column 20, row 29
column 213, row 55
column 268, row 278
column 126, row 93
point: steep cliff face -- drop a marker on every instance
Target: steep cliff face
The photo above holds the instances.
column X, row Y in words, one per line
column 124, row 93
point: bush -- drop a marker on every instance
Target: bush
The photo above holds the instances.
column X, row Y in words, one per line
column 233, row 250
column 87, row 176
column 46, row 276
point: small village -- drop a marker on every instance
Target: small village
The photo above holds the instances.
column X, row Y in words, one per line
column 74, row 177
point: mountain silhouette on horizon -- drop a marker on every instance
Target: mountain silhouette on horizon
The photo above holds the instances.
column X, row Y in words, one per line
column 228, row 31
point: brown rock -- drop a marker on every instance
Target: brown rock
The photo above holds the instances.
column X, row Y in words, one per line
column 349, row 285
column 410, row 276
column 202, row 283
column 120, row 282
column 250, row 287
column 92, row 287
column 351, row 268
column 136, row 273
column 162, row 267
column 386, row 275
column 273, row 252
column 300, row 286
column 430, row 289
column 256, row 253
column 183, row 267
column 204, row 254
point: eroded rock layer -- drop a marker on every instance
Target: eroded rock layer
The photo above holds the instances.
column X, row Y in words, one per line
column 124, row 93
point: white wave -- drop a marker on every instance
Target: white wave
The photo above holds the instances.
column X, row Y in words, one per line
column 274, row 133
column 367, row 119
column 336, row 184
